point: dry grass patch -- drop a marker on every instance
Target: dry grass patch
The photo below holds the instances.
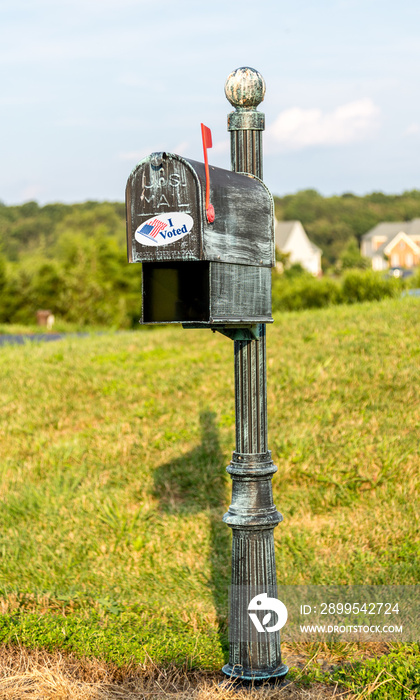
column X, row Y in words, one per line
column 38, row 675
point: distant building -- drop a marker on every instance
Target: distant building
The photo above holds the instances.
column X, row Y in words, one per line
column 393, row 244
column 291, row 237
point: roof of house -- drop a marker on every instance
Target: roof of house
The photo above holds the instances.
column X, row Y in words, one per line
column 315, row 248
column 391, row 228
column 283, row 230
column 380, row 250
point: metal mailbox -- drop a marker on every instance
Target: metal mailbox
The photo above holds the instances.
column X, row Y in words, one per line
column 195, row 271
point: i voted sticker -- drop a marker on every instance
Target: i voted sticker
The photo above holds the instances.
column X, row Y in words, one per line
column 164, row 229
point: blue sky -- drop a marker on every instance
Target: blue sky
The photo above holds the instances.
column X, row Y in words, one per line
column 89, row 87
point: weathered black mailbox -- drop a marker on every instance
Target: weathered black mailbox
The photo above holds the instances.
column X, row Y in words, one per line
column 196, row 272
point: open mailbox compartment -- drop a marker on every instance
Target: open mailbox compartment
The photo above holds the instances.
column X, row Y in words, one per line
column 175, row 292
column 195, row 272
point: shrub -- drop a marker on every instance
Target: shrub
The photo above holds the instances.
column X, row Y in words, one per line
column 304, row 293
column 414, row 281
column 368, row 286
column 307, row 292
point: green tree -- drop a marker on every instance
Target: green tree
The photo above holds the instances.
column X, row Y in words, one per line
column 47, row 287
column 3, row 274
column 352, row 258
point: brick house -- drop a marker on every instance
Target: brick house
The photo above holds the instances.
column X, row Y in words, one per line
column 393, row 244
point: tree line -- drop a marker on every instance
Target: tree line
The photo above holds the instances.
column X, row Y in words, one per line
column 71, row 259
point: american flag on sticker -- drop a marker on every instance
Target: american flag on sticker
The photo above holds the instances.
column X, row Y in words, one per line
column 152, row 228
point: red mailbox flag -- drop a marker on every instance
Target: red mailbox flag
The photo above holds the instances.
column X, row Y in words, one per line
column 207, row 143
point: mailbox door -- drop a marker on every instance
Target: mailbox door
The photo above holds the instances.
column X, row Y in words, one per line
column 164, row 210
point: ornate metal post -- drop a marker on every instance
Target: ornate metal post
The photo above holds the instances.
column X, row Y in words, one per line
column 252, row 514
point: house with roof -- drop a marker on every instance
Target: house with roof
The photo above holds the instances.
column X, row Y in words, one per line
column 393, row 244
column 291, row 237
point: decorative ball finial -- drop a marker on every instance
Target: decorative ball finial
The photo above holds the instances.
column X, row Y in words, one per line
column 245, row 88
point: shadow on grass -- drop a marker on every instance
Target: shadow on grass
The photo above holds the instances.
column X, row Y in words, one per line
column 196, row 482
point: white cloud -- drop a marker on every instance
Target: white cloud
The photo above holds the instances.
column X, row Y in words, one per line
column 412, row 129
column 133, row 80
column 30, row 192
column 297, row 128
column 135, row 156
column 221, row 146
column 181, row 149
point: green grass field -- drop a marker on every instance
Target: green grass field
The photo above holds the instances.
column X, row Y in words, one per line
column 113, row 485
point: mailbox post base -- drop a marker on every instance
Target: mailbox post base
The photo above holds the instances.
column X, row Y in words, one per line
column 236, row 673
column 254, row 648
